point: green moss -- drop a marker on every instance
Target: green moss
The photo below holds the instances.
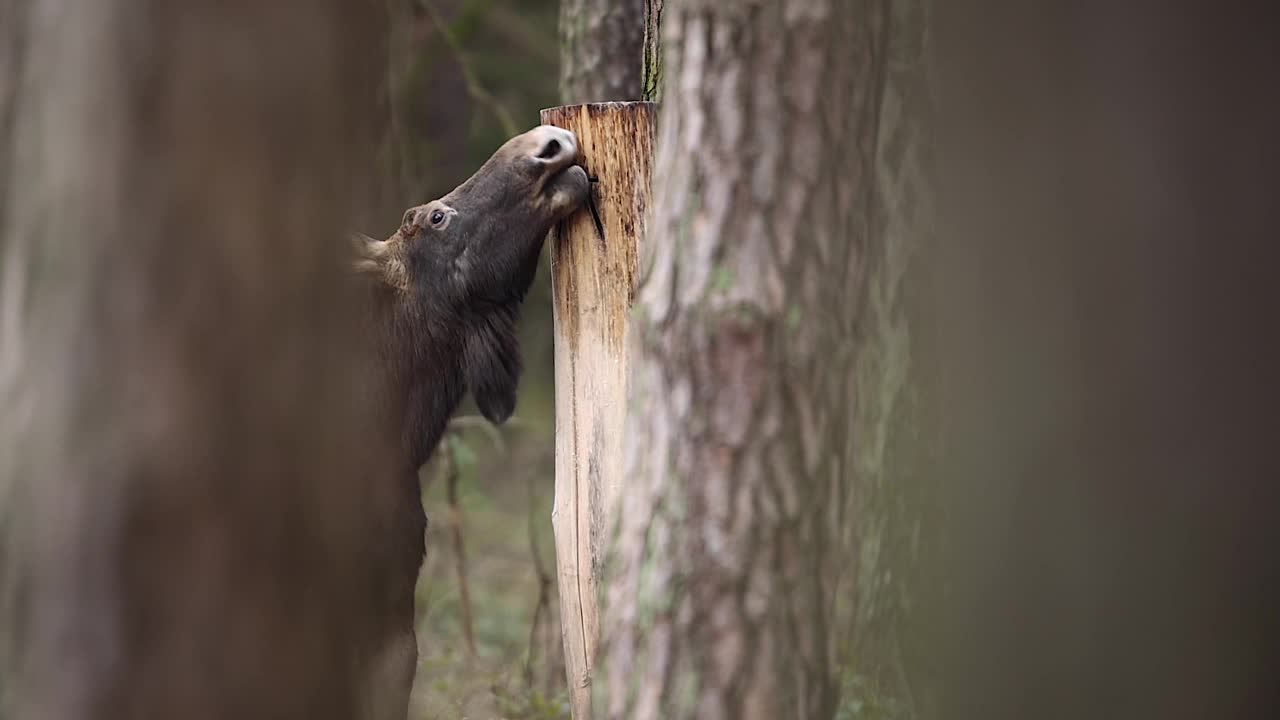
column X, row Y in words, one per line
column 794, row 316
column 721, row 278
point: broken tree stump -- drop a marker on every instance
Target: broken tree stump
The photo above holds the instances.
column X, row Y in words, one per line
column 593, row 265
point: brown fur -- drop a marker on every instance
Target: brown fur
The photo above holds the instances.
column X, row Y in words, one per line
column 444, row 294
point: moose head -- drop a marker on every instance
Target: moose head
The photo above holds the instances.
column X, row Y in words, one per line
column 449, row 282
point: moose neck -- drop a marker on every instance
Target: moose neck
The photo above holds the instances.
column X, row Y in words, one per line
column 426, row 380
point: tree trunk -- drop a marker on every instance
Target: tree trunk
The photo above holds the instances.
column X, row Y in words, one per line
column 743, row 400
column 190, row 512
column 603, row 46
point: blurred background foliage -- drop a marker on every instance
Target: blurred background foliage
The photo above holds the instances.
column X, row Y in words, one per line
column 462, row 76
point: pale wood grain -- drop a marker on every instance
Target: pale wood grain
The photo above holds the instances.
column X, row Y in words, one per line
column 593, row 287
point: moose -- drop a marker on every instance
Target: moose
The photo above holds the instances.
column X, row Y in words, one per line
column 444, row 295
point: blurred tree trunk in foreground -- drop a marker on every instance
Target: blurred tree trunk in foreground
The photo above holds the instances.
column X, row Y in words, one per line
column 186, row 501
column 1107, row 305
column 765, row 276
column 886, row 661
column 603, row 49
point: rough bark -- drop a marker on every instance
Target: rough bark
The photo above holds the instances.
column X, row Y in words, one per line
column 189, row 504
column 652, row 78
column 741, row 445
column 602, row 49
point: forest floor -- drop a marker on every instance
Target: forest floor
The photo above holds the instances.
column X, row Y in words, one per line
column 503, row 679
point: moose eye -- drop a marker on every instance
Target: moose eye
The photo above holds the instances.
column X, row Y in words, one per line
column 437, row 217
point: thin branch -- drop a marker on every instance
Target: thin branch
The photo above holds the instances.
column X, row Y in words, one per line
column 475, row 89
column 515, row 29
column 543, row 609
column 462, row 422
column 449, row 467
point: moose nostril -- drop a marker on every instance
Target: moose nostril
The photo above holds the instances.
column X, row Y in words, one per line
column 550, row 150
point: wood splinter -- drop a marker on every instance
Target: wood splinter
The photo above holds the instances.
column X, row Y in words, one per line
column 591, row 205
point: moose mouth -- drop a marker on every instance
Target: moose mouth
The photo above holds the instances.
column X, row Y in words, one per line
column 567, row 189
column 570, row 175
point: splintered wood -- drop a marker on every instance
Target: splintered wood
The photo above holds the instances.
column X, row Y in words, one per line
column 593, row 274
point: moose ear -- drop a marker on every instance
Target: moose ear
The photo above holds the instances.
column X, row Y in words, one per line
column 491, row 362
column 377, row 259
